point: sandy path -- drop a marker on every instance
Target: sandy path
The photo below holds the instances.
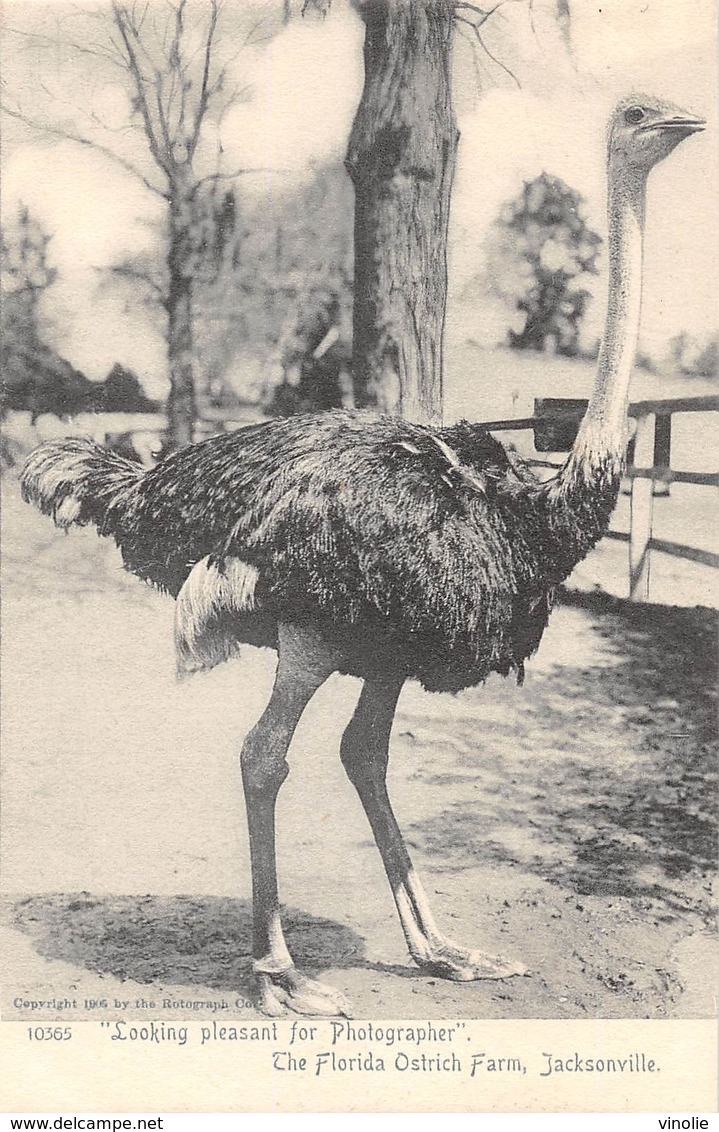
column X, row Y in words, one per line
column 569, row 823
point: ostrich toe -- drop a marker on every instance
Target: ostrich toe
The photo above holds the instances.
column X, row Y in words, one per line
column 290, row 991
column 450, row 961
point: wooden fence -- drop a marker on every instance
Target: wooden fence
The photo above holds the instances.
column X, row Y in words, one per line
column 648, row 464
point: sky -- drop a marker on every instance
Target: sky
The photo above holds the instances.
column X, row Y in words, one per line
column 304, row 86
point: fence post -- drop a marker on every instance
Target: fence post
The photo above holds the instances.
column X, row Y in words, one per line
column 662, row 450
column 642, row 508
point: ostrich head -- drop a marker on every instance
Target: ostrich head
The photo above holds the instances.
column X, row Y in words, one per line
column 643, row 130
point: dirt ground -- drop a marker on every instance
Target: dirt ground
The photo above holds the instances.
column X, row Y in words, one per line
column 570, row 823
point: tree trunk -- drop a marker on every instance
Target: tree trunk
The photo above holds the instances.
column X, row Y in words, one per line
column 181, row 407
column 401, row 159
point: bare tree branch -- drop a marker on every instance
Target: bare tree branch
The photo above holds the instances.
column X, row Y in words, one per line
column 119, row 52
column 82, row 49
column 563, row 19
column 165, row 33
column 179, row 29
column 532, row 22
column 164, row 160
column 141, row 45
column 475, row 61
column 204, row 89
column 233, row 176
column 83, row 111
column 499, row 63
column 164, row 127
column 562, row 15
column 169, row 55
column 68, row 135
column 233, row 99
column 251, row 39
column 475, row 28
column 483, row 13
column 143, row 17
column 470, row 8
column 174, row 59
column 135, row 275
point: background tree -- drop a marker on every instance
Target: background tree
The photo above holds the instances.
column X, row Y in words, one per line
column 176, row 62
column 401, row 158
column 541, row 251
column 280, row 280
column 693, row 358
column 34, row 377
column 707, row 364
column 145, row 279
column 26, row 275
column 120, row 392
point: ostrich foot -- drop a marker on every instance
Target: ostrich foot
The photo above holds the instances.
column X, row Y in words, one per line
column 448, row 960
column 288, row 990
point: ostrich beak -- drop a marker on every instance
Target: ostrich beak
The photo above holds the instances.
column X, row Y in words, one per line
column 682, row 124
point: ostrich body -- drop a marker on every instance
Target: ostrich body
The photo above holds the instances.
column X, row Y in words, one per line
column 360, row 543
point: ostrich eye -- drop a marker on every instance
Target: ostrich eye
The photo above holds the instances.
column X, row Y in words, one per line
column 634, row 115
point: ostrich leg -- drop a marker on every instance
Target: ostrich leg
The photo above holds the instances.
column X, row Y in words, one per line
column 365, row 754
column 304, row 664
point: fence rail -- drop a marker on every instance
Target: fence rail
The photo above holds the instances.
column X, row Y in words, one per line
column 648, row 464
column 663, row 407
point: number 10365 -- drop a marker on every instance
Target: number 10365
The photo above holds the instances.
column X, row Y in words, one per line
column 49, row 1033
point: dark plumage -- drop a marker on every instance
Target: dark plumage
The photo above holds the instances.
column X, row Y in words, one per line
column 421, row 552
column 362, row 543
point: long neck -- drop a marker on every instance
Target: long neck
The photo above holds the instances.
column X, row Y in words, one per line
column 580, row 500
column 598, row 452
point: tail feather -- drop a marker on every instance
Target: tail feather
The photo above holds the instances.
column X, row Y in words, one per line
column 206, row 613
column 77, row 481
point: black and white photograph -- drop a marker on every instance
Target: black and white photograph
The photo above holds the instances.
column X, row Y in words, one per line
column 360, row 394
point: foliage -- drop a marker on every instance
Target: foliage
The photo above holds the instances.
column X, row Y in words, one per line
column 644, row 360
column 44, row 382
column 26, row 272
column 282, row 280
column 33, row 376
column 120, row 392
column 542, row 251
column 693, row 358
column 707, row 364
column 320, row 377
column 271, row 277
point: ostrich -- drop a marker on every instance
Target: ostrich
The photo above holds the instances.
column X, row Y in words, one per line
column 369, row 545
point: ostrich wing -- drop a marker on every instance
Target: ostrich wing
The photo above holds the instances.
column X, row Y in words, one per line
column 381, row 532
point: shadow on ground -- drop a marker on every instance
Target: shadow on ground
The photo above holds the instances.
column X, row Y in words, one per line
column 606, row 783
column 180, row 940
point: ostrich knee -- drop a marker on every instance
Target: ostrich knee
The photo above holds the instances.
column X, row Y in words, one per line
column 364, row 750
column 365, row 765
column 263, row 762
